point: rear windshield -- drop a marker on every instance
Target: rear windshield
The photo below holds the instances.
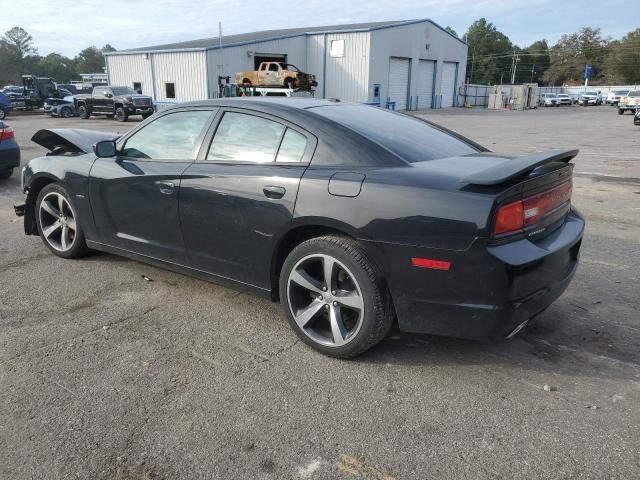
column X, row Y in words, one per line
column 411, row 139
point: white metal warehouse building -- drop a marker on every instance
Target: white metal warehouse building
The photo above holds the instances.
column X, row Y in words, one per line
column 415, row 63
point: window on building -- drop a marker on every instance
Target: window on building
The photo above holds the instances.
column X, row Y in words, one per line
column 170, row 90
column 137, row 86
column 337, row 48
column 152, row 141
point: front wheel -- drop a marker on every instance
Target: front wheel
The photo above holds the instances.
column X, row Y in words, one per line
column 3, row 114
column 58, row 223
column 121, row 115
column 146, row 115
column 620, row 111
column 334, row 297
column 65, row 112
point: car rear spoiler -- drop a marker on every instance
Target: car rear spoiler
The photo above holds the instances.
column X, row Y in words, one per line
column 518, row 166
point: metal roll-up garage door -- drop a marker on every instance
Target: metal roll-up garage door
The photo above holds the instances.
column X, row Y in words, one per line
column 424, row 85
column 399, row 81
column 448, row 84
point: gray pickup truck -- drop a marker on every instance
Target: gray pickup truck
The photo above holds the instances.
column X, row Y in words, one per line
column 119, row 102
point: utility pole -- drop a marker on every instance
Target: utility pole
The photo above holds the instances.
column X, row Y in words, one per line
column 514, row 66
column 533, row 71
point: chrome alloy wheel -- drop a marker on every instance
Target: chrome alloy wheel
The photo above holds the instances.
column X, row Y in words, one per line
column 57, row 221
column 325, row 300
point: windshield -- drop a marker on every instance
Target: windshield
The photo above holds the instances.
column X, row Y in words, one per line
column 288, row 66
column 635, row 93
column 123, row 91
column 621, row 92
column 411, row 139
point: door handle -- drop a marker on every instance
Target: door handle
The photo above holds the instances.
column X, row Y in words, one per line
column 166, row 187
column 273, row 191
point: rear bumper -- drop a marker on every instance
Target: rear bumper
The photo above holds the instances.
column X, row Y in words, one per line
column 489, row 291
column 9, row 157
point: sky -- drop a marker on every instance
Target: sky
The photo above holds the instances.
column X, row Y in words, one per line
column 137, row 23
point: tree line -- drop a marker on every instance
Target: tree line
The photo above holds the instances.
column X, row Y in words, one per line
column 19, row 56
column 492, row 57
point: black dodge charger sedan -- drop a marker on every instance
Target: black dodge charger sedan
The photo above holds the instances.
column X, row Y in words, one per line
column 352, row 216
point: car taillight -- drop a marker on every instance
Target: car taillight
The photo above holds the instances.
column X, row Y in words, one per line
column 7, row 133
column 517, row 215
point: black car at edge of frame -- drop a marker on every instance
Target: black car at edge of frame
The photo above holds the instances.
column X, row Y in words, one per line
column 352, row 216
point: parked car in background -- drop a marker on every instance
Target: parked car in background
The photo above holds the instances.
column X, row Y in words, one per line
column 614, row 96
column 636, row 117
column 65, row 109
column 354, row 217
column 119, row 102
column 9, row 151
column 548, row 100
column 563, row 99
column 590, row 98
column 5, row 106
column 630, row 102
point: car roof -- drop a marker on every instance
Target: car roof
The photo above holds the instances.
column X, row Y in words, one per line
column 296, row 103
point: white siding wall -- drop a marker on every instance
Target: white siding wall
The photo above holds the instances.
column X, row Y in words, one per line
column 185, row 69
column 236, row 59
column 126, row 69
column 410, row 41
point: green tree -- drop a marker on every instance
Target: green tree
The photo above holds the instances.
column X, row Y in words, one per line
column 91, row 59
column 451, row 30
column 535, row 61
column 18, row 39
column 490, row 53
column 56, row 66
column 573, row 52
column 622, row 63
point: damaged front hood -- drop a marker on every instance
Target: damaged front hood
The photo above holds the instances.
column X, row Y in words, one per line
column 73, row 140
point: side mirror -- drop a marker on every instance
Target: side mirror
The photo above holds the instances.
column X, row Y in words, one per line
column 105, row 149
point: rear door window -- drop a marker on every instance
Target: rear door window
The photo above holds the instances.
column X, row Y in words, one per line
column 242, row 137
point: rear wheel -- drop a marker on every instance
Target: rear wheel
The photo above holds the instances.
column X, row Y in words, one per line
column 58, row 224
column 334, row 297
column 121, row 115
column 83, row 112
column 3, row 113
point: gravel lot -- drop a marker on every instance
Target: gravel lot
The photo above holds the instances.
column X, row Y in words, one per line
column 104, row 375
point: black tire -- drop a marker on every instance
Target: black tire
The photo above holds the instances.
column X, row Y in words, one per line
column 65, row 112
column 121, row 115
column 83, row 112
column 289, row 83
column 378, row 315
column 4, row 174
column 3, row 113
column 146, row 115
column 620, row 111
column 79, row 246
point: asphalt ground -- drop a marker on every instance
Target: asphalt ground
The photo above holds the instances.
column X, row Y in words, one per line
column 105, row 375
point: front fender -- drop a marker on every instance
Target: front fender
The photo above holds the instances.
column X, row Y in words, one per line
column 70, row 171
